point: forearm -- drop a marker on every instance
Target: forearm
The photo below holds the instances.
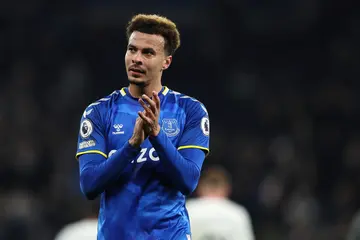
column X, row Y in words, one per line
column 182, row 171
column 96, row 172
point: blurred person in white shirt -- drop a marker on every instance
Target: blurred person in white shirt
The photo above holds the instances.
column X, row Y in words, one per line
column 354, row 227
column 84, row 229
column 213, row 216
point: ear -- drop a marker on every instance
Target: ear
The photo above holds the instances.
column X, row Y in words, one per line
column 167, row 62
column 227, row 190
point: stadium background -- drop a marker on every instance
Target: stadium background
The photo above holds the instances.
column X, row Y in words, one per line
column 280, row 80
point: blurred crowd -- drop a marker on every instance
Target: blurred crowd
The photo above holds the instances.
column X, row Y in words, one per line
column 280, row 81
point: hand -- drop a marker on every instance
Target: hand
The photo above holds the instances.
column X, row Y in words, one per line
column 150, row 115
column 139, row 135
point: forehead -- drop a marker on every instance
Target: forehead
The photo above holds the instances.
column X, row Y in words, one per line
column 145, row 40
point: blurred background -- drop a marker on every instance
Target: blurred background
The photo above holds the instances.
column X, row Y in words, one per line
column 280, row 80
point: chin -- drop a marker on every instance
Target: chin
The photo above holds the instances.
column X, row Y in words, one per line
column 137, row 81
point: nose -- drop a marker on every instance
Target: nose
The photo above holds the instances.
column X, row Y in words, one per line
column 137, row 58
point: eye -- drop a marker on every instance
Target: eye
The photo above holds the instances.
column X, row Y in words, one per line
column 148, row 53
column 131, row 49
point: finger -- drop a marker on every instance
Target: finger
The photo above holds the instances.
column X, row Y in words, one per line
column 139, row 121
column 156, row 100
column 150, row 102
column 146, row 108
column 146, row 119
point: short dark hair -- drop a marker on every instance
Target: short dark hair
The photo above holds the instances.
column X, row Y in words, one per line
column 156, row 24
column 215, row 176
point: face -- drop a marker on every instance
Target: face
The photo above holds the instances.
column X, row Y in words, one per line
column 145, row 58
column 206, row 190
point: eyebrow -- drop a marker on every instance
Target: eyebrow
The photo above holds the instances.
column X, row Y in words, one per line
column 144, row 49
column 148, row 50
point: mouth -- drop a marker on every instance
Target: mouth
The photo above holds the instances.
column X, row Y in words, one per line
column 136, row 70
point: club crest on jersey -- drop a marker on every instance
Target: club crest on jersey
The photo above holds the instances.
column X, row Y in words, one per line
column 86, row 128
column 205, row 126
column 170, row 127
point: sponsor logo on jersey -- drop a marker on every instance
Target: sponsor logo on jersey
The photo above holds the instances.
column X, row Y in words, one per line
column 144, row 155
column 118, row 128
column 86, row 144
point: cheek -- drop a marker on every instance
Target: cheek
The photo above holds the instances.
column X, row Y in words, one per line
column 127, row 59
column 157, row 65
column 156, row 68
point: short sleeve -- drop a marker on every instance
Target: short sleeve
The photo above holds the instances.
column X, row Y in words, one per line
column 91, row 137
column 196, row 132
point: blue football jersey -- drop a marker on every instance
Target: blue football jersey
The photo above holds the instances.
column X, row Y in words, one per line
column 142, row 204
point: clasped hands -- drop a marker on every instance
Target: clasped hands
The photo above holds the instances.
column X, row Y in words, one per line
column 147, row 123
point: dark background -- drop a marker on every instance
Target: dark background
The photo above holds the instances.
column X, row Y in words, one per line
column 280, row 80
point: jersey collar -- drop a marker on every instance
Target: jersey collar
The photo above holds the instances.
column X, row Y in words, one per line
column 125, row 92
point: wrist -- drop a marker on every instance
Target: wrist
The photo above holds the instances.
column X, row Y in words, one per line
column 156, row 131
column 134, row 142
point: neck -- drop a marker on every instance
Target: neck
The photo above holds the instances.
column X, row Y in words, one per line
column 215, row 193
column 217, row 196
column 138, row 90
